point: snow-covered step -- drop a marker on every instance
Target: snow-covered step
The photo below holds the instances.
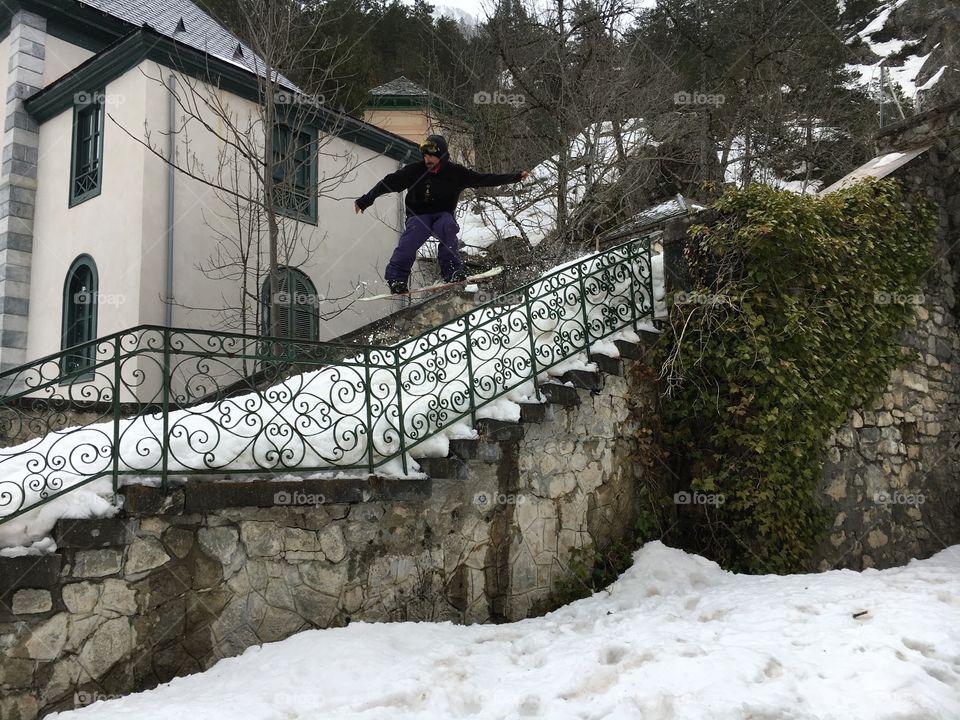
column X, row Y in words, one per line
column 451, row 467
column 607, row 365
column 558, row 394
column 585, row 379
column 499, row 430
column 92, row 533
column 201, row 495
column 28, row 571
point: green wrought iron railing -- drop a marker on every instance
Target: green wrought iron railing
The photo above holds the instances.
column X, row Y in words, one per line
column 154, row 403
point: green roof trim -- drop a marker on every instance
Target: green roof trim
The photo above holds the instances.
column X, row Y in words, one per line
column 146, row 44
column 408, row 102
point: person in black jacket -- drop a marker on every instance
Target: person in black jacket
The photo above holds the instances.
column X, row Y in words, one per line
column 433, row 188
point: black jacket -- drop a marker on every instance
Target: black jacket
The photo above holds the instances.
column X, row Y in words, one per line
column 429, row 192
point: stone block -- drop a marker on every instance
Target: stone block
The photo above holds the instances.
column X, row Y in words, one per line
column 332, row 543
column 80, row 598
column 118, row 597
column 31, row 601
column 29, row 571
column 499, row 430
column 96, row 563
column 110, row 643
column 558, row 394
column 583, row 379
column 45, row 641
column 448, row 468
column 466, row 449
column 93, row 533
column 219, row 543
column 533, row 412
column 607, row 364
column 146, row 553
column 629, row 350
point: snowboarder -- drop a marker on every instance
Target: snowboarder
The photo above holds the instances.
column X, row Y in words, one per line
column 433, row 188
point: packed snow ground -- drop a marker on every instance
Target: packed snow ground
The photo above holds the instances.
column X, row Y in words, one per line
column 675, row 638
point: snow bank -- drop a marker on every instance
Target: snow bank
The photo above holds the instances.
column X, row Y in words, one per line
column 319, row 419
column 675, row 638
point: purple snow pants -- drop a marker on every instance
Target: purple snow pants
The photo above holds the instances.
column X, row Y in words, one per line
column 418, row 230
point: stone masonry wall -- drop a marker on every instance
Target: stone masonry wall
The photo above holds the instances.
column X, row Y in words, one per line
column 892, row 472
column 185, row 578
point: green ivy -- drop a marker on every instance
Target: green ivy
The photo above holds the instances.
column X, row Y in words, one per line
column 793, row 318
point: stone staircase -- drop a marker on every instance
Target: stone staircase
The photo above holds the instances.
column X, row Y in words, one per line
column 184, row 577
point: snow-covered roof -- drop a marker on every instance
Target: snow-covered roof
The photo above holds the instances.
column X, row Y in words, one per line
column 878, row 167
column 199, row 30
column 400, row 86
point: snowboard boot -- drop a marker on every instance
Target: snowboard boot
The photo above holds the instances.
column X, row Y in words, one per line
column 398, row 287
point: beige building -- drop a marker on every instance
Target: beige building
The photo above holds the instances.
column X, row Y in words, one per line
column 99, row 233
column 406, row 109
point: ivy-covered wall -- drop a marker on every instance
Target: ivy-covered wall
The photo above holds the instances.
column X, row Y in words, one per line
column 814, row 409
column 892, row 477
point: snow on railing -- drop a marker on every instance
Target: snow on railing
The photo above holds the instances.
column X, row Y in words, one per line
column 166, row 402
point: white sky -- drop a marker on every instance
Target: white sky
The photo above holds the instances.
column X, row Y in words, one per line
column 480, row 8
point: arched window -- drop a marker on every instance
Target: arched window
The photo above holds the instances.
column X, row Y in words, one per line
column 299, row 306
column 79, row 316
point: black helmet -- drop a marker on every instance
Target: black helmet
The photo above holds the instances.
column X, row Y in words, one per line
column 434, row 145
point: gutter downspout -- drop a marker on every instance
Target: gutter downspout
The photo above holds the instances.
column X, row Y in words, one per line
column 171, row 160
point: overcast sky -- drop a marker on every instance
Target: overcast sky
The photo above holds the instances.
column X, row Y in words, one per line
column 480, row 8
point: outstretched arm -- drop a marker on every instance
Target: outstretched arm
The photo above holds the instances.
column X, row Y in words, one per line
column 397, row 181
column 475, row 179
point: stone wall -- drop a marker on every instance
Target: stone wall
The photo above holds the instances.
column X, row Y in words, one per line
column 892, row 472
column 182, row 579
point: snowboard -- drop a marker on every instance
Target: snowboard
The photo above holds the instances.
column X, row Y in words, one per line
column 442, row 286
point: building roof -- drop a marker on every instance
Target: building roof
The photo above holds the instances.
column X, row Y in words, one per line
column 199, row 30
column 401, row 86
column 146, row 43
column 879, row 167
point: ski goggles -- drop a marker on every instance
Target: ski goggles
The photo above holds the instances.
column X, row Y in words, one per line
column 429, row 148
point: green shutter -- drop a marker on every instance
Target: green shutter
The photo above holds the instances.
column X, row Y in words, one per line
column 295, row 172
column 86, row 162
column 298, row 315
column 80, row 290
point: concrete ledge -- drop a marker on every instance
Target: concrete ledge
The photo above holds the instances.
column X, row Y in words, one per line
column 88, row 534
column 203, row 495
column 29, row 571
